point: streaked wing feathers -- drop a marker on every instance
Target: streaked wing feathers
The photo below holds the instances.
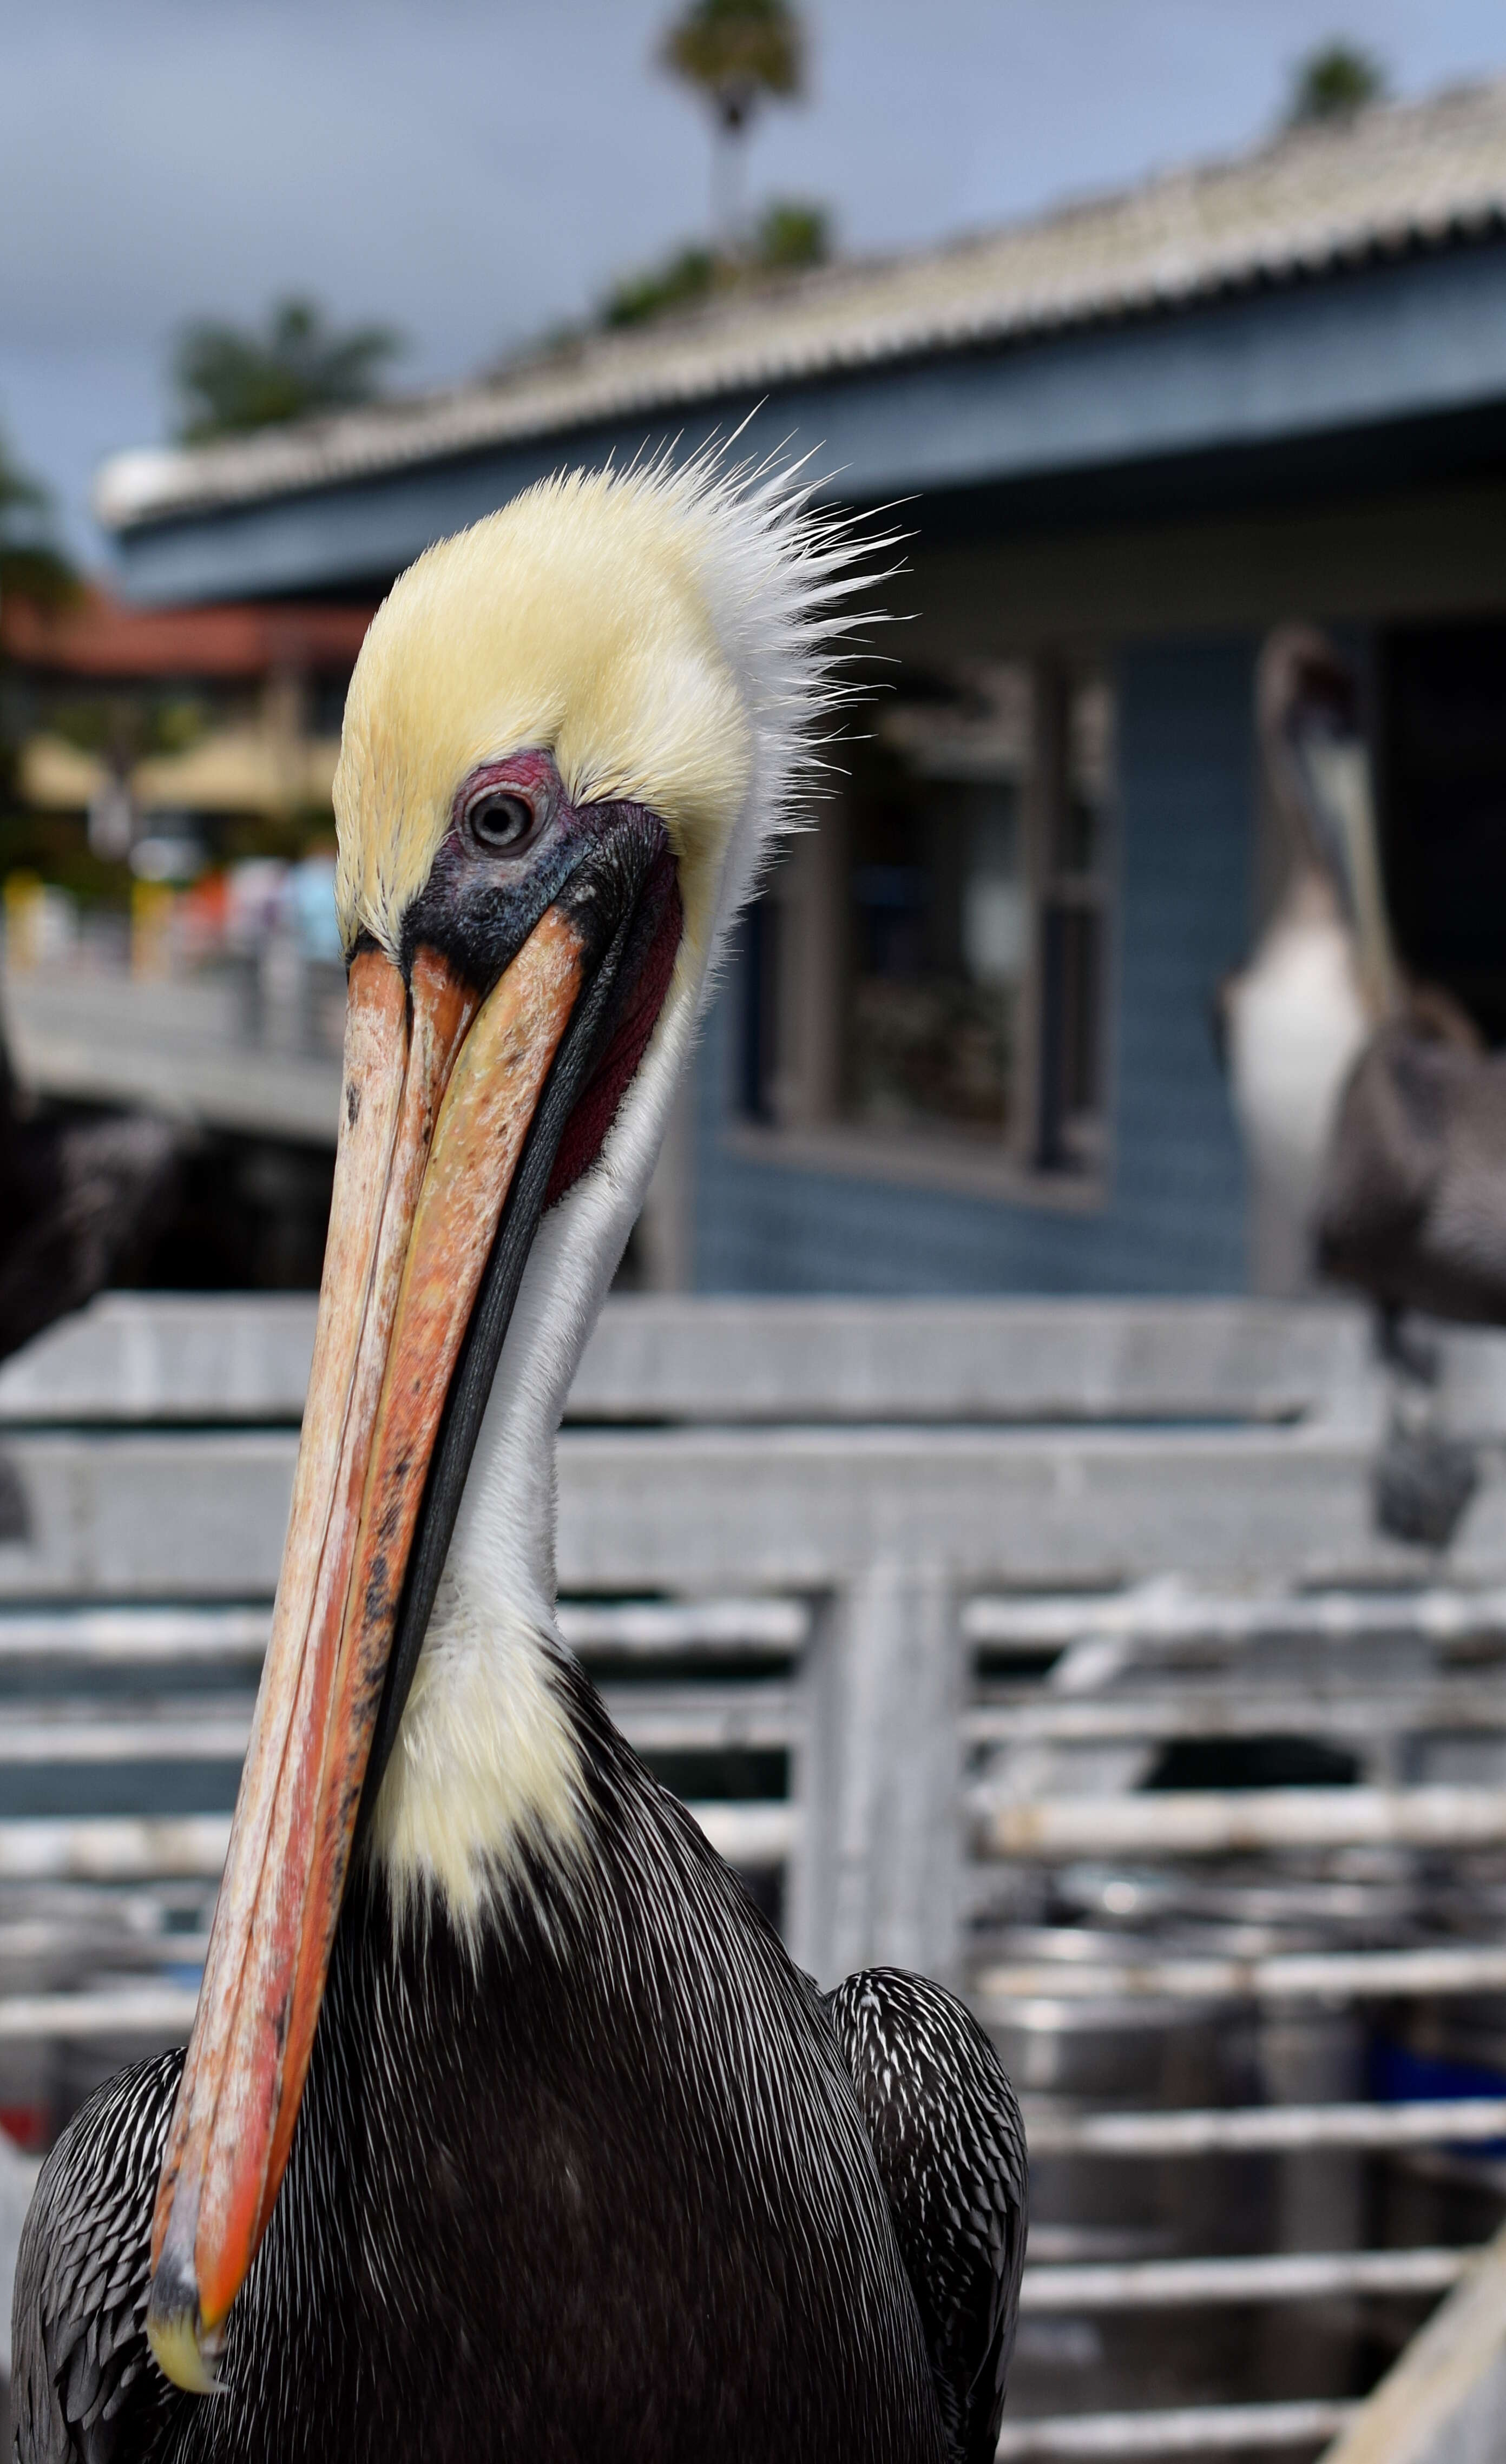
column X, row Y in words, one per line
column 950, row 2145
column 85, row 2388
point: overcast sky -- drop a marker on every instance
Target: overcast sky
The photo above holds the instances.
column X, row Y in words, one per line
column 473, row 170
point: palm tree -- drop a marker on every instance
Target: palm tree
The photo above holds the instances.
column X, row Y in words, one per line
column 1333, row 83
column 230, row 380
column 735, row 53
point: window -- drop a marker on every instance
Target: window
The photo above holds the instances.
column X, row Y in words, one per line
column 1442, row 807
column 1074, row 756
column 922, row 984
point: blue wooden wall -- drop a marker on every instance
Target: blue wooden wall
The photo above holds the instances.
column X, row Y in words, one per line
column 1174, row 1216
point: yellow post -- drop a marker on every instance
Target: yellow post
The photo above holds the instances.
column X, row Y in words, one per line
column 24, row 897
column 153, row 908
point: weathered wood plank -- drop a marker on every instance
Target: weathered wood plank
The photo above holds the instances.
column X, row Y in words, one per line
column 881, row 1885
column 1283, row 1976
column 155, row 1357
column 971, row 1360
column 181, row 1515
column 143, row 1638
column 1444, row 2122
column 1168, row 1616
column 209, row 1727
column 162, row 1357
column 158, row 2015
column 686, row 1718
column 123, row 1848
column 214, row 1726
column 720, row 1628
column 1441, row 2402
column 1184, row 2429
column 200, row 1515
column 1223, row 1822
column 152, row 1358
column 1209, row 1710
column 114, row 1849
column 807, row 1508
column 133, row 1640
column 1190, row 2283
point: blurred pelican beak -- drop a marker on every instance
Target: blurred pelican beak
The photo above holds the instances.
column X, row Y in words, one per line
column 441, row 1087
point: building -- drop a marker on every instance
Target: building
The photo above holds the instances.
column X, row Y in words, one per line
column 202, row 715
column 181, row 739
column 967, row 1045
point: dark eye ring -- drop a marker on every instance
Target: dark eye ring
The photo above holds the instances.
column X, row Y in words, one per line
column 500, row 821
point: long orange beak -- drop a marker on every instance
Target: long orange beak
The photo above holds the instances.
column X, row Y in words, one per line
column 439, row 1093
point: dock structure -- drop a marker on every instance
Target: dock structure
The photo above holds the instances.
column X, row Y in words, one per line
column 1047, row 1648
column 179, row 1047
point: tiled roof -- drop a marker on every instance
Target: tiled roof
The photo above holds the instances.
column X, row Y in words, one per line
column 94, row 636
column 1404, row 177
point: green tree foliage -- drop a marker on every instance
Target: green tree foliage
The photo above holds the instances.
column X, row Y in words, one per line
column 736, row 52
column 1333, row 83
column 690, row 275
column 229, row 381
column 31, row 566
column 791, row 236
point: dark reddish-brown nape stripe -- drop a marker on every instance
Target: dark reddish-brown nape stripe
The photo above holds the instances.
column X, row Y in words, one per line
column 597, row 1109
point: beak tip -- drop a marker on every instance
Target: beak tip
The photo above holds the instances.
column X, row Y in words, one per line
column 183, row 2351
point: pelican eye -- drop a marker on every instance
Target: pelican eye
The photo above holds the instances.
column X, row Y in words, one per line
column 501, row 823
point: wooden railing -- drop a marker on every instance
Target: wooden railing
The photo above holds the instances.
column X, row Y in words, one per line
column 907, row 1600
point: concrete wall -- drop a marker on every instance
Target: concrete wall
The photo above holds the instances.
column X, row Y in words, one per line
column 1173, row 1220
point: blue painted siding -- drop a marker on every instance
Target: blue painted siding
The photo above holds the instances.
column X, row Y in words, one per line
column 1174, row 1221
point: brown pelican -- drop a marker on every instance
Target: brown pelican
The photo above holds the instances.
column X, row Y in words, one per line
column 507, row 2128
column 1374, row 1119
column 1322, row 974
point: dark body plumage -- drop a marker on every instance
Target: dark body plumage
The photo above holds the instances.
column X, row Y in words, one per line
column 950, row 2145
column 1413, row 1203
column 599, row 2187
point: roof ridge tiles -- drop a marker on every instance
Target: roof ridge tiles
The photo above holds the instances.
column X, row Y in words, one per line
column 1396, row 177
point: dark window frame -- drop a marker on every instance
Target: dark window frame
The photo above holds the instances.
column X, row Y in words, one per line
column 789, row 1092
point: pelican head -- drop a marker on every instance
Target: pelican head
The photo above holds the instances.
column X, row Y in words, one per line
column 570, row 738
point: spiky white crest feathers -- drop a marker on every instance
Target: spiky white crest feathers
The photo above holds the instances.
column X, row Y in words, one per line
column 666, row 632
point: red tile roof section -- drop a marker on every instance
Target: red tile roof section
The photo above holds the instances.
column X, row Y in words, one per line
column 97, row 637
